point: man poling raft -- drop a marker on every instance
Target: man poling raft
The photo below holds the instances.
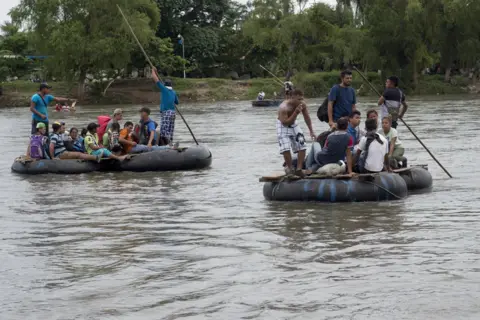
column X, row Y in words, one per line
column 120, row 143
column 378, row 155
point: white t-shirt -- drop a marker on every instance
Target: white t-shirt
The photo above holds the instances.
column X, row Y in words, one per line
column 393, row 133
column 376, row 153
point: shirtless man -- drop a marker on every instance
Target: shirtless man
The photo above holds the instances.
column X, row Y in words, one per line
column 290, row 136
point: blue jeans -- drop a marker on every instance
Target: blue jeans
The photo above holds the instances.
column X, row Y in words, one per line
column 106, row 153
column 310, row 162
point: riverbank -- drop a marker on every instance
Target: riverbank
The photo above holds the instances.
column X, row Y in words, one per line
column 143, row 91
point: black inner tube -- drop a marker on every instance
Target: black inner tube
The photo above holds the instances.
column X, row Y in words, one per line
column 384, row 189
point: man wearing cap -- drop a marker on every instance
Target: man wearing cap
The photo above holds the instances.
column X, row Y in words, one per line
column 167, row 109
column 39, row 106
column 117, row 116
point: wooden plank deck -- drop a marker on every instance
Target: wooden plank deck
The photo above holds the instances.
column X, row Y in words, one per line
column 281, row 176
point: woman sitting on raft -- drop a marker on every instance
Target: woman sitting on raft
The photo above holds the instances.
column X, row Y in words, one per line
column 77, row 140
column 57, row 146
column 395, row 149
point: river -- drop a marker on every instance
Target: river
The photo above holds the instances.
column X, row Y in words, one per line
column 205, row 244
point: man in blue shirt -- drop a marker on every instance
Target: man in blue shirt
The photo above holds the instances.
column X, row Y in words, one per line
column 354, row 127
column 341, row 99
column 39, row 106
column 167, row 109
column 146, row 128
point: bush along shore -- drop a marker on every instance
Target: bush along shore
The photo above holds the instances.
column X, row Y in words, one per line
column 143, row 91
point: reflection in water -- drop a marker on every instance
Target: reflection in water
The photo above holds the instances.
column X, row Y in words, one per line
column 206, row 244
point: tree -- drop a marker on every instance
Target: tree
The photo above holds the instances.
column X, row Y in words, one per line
column 12, row 39
column 86, row 36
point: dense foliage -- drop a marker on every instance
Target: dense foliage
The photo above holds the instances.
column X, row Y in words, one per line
column 223, row 37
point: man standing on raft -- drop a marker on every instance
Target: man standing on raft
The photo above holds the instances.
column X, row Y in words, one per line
column 167, row 109
column 39, row 106
column 289, row 134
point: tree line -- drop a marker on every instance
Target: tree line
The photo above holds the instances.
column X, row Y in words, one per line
column 224, row 37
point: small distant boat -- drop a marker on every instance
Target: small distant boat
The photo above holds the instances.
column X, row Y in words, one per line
column 266, row 103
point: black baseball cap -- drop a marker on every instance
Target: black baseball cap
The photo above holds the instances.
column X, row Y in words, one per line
column 45, row 86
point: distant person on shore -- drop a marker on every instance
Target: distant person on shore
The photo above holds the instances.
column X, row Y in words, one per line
column 290, row 135
column 167, row 109
column 341, row 99
column 393, row 101
column 39, row 106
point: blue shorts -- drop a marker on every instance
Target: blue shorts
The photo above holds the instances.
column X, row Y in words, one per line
column 106, row 153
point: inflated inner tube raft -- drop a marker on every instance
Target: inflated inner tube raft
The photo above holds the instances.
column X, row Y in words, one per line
column 266, row 103
column 372, row 187
column 197, row 157
column 417, row 178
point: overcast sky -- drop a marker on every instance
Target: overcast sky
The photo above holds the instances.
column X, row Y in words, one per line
column 6, row 5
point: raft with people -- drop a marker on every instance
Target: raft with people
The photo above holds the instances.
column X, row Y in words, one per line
column 381, row 186
column 104, row 146
column 190, row 158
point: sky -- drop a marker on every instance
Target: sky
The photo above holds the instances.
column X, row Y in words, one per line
column 5, row 8
column 6, row 5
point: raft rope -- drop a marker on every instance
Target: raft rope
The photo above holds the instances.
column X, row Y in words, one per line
column 384, row 189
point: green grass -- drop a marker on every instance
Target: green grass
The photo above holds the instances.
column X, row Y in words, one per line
column 28, row 87
column 211, row 89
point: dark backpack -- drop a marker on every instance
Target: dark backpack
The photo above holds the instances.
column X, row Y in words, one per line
column 322, row 138
column 322, row 112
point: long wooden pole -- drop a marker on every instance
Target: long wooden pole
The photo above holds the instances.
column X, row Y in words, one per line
column 276, row 78
column 406, row 125
column 153, row 68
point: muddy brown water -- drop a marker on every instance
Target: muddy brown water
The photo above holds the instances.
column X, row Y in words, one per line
column 205, row 244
